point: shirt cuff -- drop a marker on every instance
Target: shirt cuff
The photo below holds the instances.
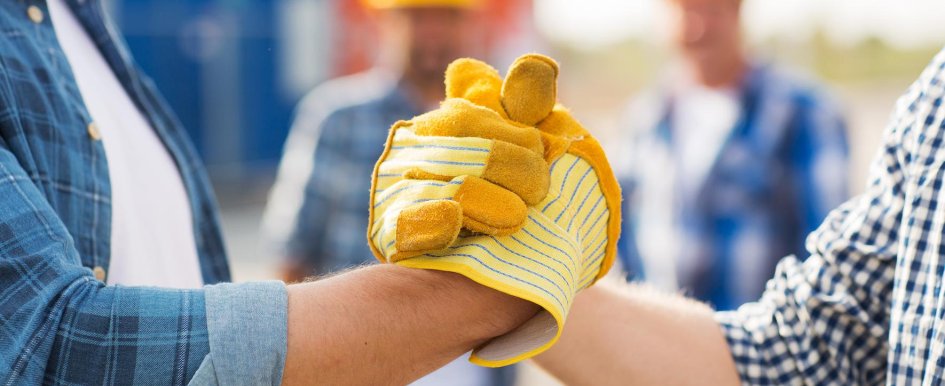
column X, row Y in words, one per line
column 247, row 324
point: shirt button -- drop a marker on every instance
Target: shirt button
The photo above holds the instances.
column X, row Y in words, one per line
column 99, row 273
column 35, row 14
column 93, row 131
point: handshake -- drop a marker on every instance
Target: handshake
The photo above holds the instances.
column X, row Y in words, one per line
column 501, row 185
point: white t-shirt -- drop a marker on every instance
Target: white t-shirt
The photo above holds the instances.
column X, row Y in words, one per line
column 703, row 119
column 152, row 241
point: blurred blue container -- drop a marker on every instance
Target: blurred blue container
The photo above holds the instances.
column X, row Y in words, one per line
column 232, row 70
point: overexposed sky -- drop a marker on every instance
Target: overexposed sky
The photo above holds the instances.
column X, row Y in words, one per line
column 902, row 23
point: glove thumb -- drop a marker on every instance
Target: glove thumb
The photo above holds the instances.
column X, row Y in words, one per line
column 530, row 89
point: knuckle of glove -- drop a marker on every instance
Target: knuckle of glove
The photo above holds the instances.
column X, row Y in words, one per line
column 490, row 209
column 476, row 82
column 426, row 227
column 523, row 172
column 462, row 118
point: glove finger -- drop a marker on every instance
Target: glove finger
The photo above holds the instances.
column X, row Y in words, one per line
column 476, row 82
column 560, row 122
column 426, row 226
column 489, row 208
column 513, row 167
column 530, row 89
column 419, row 216
column 518, row 170
column 462, row 118
column 558, row 130
column 441, row 158
column 412, row 216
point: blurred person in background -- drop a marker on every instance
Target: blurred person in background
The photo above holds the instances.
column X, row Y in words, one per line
column 864, row 308
column 726, row 165
column 340, row 130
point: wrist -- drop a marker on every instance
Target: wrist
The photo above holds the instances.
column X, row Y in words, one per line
column 404, row 321
column 496, row 313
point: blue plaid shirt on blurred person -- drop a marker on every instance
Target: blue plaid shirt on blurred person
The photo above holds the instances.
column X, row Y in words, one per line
column 867, row 307
column 324, row 178
column 714, row 218
column 59, row 323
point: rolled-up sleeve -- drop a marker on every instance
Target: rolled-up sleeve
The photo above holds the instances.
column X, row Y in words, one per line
column 59, row 325
column 247, row 326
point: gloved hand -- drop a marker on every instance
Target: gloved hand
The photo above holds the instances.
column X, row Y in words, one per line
column 431, row 182
column 460, row 166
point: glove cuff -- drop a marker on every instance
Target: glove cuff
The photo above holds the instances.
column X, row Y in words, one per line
column 536, row 265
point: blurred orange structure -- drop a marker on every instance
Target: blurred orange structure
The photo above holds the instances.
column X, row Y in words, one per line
column 505, row 22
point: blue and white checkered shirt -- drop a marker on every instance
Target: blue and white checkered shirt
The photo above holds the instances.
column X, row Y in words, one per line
column 868, row 306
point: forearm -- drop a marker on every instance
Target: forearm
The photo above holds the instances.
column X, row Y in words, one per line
column 631, row 335
column 390, row 325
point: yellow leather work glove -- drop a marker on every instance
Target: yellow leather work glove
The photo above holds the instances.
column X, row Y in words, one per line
column 431, row 182
column 460, row 166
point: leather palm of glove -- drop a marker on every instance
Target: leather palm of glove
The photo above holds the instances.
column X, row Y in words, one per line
column 505, row 187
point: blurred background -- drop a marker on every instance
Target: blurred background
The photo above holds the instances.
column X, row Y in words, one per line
column 234, row 71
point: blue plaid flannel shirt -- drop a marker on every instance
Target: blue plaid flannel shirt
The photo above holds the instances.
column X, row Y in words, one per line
column 781, row 169
column 319, row 206
column 58, row 324
column 868, row 306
